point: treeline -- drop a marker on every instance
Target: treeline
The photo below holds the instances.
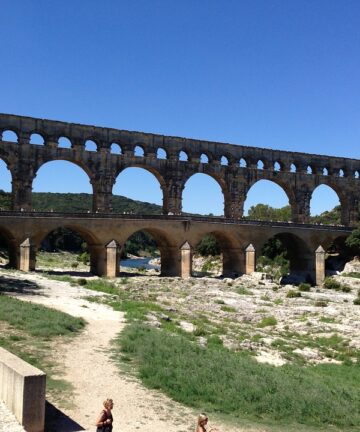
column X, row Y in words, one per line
column 80, row 203
column 266, row 213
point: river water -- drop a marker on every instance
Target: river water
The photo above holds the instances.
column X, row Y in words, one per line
column 139, row 263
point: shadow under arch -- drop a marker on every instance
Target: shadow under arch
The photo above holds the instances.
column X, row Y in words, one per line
column 337, row 254
column 231, row 249
column 300, row 255
column 8, row 250
column 95, row 247
column 169, row 252
column 158, row 177
column 220, row 182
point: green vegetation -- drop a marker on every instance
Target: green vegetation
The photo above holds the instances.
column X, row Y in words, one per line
column 190, row 374
column 331, row 283
column 267, row 321
column 208, row 246
column 305, row 287
column 30, row 331
column 352, row 274
column 353, row 240
column 293, row 294
column 80, row 203
column 37, row 320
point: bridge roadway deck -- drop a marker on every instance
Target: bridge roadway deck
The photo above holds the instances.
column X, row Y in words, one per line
column 171, row 232
column 177, row 218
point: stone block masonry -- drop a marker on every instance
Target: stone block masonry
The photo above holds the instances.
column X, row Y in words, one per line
column 22, row 389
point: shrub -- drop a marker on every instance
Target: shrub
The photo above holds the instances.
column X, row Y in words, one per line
column 304, row 287
column 293, row 294
column 82, row 281
column 267, row 321
column 357, row 301
column 321, row 303
column 345, row 288
column 331, row 283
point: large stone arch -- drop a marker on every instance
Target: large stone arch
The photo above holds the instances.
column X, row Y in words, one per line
column 79, row 163
column 341, row 193
column 168, row 246
column 155, row 172
column 94, row 243
column 300, row 250
column 286, row 188
column 232, row 248
column 220, row 180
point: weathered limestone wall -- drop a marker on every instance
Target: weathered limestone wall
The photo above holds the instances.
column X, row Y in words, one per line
column 22, row 389
column 236, row 168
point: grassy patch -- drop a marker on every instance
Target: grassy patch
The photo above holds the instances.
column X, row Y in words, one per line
column 267, row 321
column 243, row 291
column 241, row 387
column 29, row 331
column 37, row 320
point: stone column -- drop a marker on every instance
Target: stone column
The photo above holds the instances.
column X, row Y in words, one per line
column 25, row 253
column 319, row 266
column 112, row 259
column 350, row 212
column 250, row 259
column 21, row 194
column 300, row 207
column 174, row 196
column 234, row 202
column 186, row 260
column 102, row 193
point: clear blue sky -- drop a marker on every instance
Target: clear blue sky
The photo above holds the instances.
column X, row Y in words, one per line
column 277, row 74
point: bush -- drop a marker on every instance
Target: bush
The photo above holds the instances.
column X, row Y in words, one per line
column 304, row 287
column 357, row 301
column 81, row 281
column 267, row 321
column 345, row 288
column 321, row 303
column 331, row 283
column 293, row 294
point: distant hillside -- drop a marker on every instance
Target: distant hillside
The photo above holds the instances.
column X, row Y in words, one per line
column 80, row 203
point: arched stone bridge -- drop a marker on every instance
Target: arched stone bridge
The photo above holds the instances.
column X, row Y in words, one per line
column 236, row 168
column 176, row 236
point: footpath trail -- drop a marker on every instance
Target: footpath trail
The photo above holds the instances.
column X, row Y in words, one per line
column 94, row 375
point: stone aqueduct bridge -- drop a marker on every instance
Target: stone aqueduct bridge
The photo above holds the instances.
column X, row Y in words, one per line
column 297, row 173
column 105, row 234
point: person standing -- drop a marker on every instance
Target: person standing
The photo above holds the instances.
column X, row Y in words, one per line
column 104, row 422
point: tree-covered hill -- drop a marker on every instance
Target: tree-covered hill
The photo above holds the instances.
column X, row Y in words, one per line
column 80, row 203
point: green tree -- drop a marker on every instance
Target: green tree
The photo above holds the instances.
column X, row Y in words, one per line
column 208, row 246
column 353, row 241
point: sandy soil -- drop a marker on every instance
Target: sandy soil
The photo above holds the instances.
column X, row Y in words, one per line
column 94, row 376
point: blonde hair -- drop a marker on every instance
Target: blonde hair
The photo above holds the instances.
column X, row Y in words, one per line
column 107, row 402
column 202, row 417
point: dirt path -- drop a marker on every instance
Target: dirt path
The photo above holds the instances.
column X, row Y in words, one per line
column 94, row 375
